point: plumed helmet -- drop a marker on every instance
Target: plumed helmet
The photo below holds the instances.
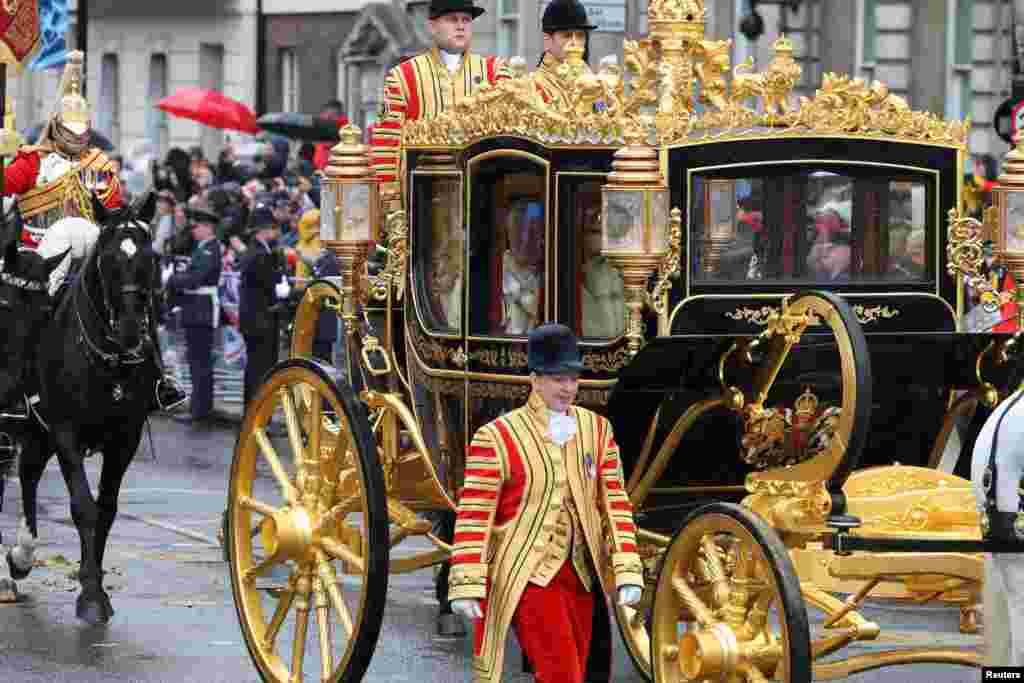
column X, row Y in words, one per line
column 441, row 7
column 566, row 15
column 73, row 109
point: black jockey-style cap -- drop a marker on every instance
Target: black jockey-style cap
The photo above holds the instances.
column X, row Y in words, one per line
column 552, row 349
column 441, row 7
column 566, row 15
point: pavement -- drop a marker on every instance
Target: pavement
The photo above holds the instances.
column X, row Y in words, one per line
column 175, row 619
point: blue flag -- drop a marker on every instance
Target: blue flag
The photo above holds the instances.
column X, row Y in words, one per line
column 53, row 25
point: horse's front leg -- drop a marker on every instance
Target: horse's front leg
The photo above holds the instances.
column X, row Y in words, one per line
column 111, row 477
column 21, row 557
column 90, row 606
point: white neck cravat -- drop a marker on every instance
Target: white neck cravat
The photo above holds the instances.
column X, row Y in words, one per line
column 452, row 60
column 561, row 426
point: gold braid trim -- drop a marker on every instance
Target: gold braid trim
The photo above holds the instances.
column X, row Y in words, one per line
column 77, row 194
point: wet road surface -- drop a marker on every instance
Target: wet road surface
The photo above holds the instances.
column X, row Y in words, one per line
column 175, row 620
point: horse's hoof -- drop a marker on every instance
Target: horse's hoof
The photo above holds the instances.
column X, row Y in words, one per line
column 8, row 591
column 16, row 572
column 91, row 610
column 450, row 626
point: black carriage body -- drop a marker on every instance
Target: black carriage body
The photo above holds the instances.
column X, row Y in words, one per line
column 466, row 374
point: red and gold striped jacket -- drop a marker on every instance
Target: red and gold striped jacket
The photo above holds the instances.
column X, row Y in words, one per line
column 516, row 481
column 422, row 88
column 549, row 83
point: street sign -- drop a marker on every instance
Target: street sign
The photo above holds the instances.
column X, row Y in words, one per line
column 606, row 15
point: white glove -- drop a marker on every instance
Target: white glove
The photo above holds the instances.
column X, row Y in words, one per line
column 166, row 274
column 468, row 608
column 628, row 595
column 282, row 289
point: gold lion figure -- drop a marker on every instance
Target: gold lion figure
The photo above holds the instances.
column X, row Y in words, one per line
column 711, row 71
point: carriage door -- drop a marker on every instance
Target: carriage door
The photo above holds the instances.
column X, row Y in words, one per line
column 434, row 324
column 509, row 286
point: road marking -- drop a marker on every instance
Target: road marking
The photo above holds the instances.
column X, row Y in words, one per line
column 181, row 531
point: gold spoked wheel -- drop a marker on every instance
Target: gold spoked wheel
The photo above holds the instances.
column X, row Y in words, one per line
column 635, row 621
column 728, row 605
column 307, row 529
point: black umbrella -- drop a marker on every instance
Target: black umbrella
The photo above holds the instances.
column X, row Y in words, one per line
column 96, row 138
column 305, row 127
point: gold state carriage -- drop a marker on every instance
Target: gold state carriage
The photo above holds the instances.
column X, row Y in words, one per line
column 685, row 225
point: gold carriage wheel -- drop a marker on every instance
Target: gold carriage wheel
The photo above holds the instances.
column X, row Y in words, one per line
column 635, row 621
column 728, row 604
column 307, row 529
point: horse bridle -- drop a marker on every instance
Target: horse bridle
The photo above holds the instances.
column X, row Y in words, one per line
column 111, row 322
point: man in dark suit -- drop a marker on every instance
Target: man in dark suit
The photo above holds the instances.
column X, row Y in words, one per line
column 327, row 327
column 263, row 284
column 196, row 289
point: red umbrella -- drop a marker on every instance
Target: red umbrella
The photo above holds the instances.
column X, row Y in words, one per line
column 211, row 108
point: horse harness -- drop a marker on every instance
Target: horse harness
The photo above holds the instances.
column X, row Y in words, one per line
column 997, row 525
column 110, row 324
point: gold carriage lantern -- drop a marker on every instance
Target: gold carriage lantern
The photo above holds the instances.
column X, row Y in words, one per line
column 635, row 230
column 1008, row 200
column 349, row 200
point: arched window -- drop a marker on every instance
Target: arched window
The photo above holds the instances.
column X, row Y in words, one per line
column 156, row 119
column 108, row 113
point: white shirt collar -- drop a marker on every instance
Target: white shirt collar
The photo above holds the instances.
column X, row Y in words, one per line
column 452, row 60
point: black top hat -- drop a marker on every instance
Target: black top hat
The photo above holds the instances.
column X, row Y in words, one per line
column 566, row 15
column 200, row 211
column 441, row 7
column 552, row 350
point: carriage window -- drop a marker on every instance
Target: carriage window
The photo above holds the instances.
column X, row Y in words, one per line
column 508, row 239
column 440, row 249
column 594, row 295
column 816, row 225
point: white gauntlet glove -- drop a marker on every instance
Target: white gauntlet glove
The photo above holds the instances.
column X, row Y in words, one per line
column 628, row 596
column 166, row 274
column 468, row 608
column 282, row 288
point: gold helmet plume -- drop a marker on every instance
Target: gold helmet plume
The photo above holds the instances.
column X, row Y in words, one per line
column 74, row 110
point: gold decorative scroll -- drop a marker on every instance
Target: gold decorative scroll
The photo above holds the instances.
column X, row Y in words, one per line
column 763, row 315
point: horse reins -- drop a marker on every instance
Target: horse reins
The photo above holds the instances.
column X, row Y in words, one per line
column 122, row 356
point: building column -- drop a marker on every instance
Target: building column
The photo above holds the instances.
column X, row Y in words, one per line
column 928, row 84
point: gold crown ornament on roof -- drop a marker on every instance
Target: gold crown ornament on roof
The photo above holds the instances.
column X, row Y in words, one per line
column 783, row 45
column 75, row 112
column 677, row 18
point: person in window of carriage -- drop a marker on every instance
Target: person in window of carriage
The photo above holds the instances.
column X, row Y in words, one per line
column 546, row 478
column 428, row 84
column 563, row 21
column 196, row 286
column 54, row 178
column 602, row 298
column 522, row 268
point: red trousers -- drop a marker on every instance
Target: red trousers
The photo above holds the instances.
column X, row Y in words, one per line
column 553, row 624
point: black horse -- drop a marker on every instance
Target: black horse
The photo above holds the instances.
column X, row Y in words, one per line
column 24, row 278
column 96, row 371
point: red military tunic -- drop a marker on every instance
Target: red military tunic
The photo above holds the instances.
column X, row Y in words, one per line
column 511, row 518
column 422, row 88
column 39, row 177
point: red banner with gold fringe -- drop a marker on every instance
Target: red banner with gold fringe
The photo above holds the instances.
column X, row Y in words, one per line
column 19, row 30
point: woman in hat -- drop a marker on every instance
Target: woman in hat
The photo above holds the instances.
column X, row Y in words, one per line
column 428, row 84
column 564, row 21
column 542, row 483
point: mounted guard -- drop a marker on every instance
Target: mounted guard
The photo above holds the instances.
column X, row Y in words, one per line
column 54, row 177
column 56, row 181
